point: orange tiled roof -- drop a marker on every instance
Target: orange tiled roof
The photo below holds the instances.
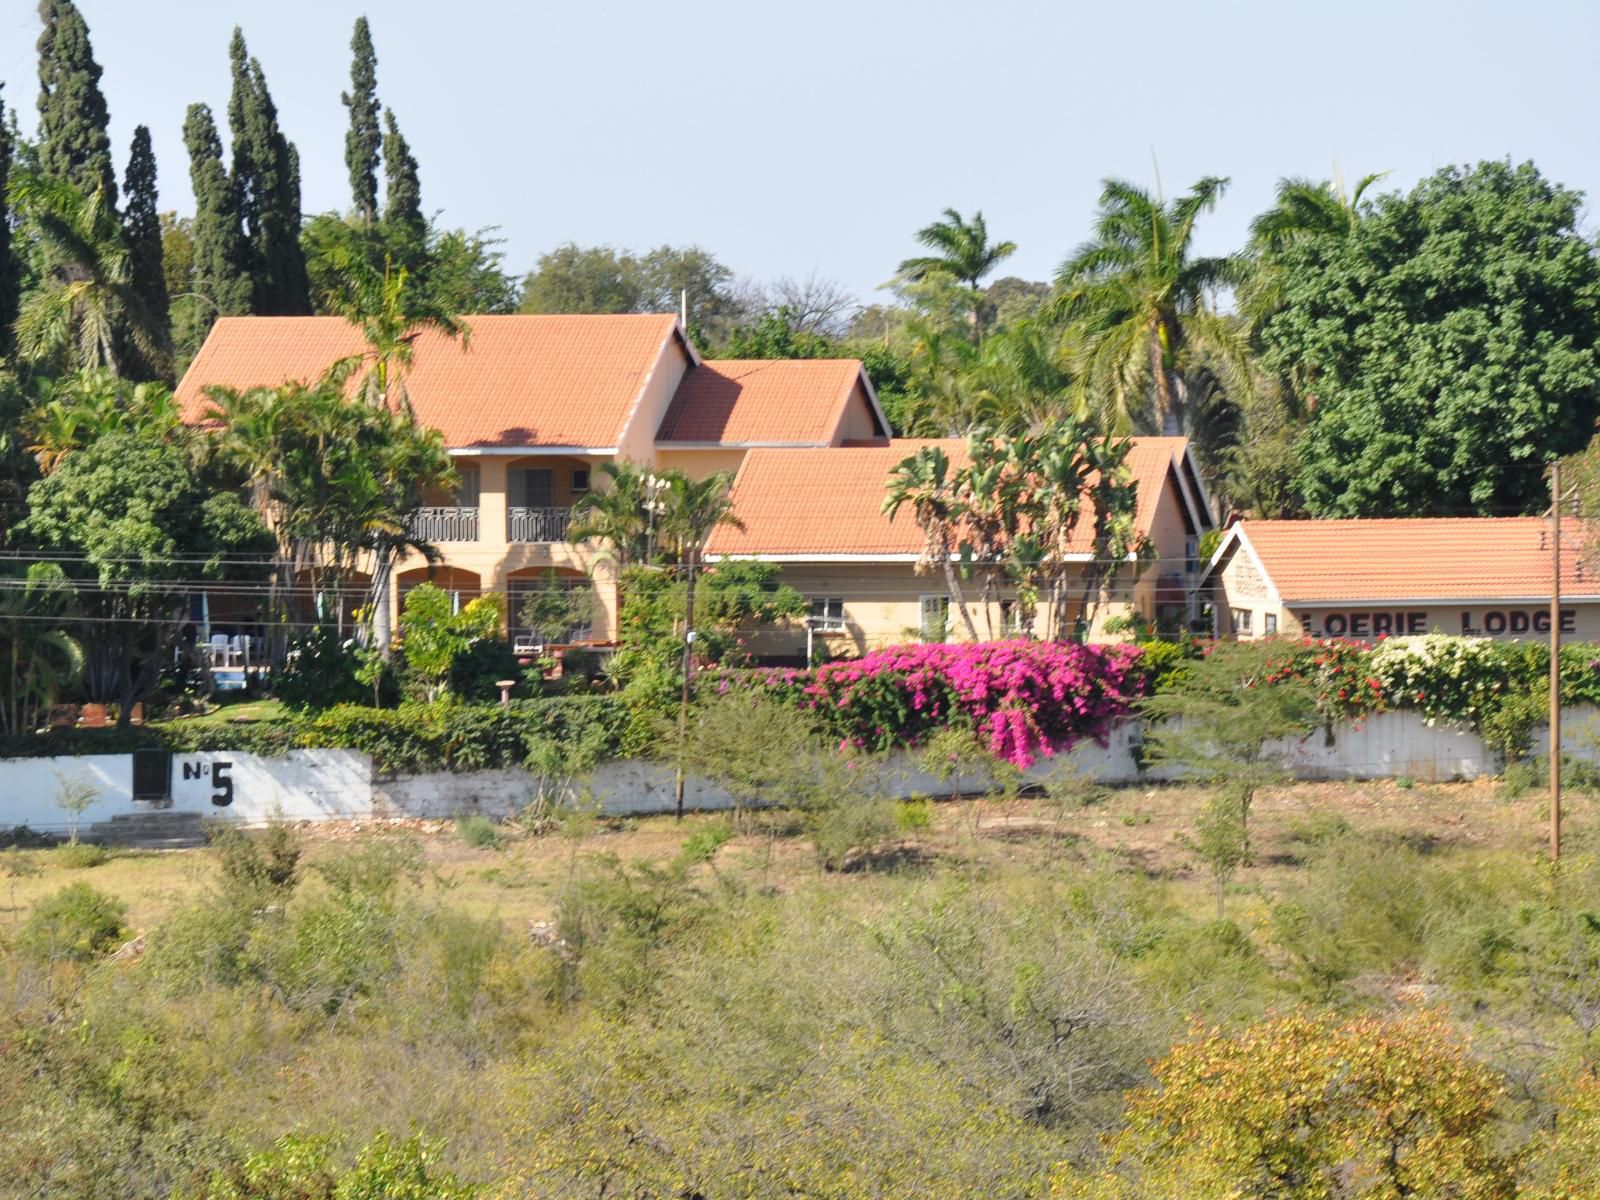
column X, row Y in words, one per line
column 827, row 501
column 1419, row 558
column 763, row 401
column 520, row 380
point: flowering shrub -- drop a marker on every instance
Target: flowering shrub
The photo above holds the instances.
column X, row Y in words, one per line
column 1445, row 678
column 1023, row 699
column 1032, row 699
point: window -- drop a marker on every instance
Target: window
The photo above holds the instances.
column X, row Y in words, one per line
column 1242, row 620
column 467, row 492
column 532, row 488
column 1269, row 624
column 580, row 480
column 1010, row 618
column 935, row 618
column 827, row 613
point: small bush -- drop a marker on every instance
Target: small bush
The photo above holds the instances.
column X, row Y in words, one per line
column 77, row 923
column 914, row 816
column 261, row 864
column 79, row 856
column 702, row 845
column 478, row 831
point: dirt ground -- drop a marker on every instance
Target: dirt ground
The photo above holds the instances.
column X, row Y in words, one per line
column 1140, row 828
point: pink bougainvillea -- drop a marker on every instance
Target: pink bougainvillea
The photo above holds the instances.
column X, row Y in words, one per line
column 1024, row 699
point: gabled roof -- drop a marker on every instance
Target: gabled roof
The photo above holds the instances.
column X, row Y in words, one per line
column 519, row 380
column 1412, row 559
column 764, row 402
column 822, row 504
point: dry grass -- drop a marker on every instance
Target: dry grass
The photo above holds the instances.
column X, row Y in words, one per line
column 1141, row 828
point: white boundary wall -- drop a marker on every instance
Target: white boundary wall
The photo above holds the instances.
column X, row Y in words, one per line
column 319, row 785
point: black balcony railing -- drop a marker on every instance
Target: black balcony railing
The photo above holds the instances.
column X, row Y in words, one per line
column 537, row 524
column 446, row 525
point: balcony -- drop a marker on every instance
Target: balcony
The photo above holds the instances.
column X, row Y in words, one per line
column 537, row 524
column 446, row 525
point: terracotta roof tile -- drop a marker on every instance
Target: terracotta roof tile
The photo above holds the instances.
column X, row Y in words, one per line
column 828, row 501
column 520, row 380
column 744, row 401
column 1422, row 558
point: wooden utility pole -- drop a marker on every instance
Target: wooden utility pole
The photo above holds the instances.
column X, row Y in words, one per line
column 1555, row 662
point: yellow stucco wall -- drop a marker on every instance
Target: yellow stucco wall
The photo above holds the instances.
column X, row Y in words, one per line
column 697, row 464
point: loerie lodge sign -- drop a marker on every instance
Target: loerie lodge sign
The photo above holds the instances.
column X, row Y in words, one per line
column 1468, row 622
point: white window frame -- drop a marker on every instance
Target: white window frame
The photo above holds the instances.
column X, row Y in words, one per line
column 1269, row 625
column 579, row 489
column 1243, row 621
column 831, row 618
column 940, row 602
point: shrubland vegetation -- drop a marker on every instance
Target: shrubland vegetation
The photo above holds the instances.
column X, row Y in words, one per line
column 1038, row 1004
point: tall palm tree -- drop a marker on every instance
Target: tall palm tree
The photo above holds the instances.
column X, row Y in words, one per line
column 962, row 250
column 1139, row 307
column 926, row 483
column 391, row 314
column 694, row 510
column 618, row 514
column 92, row 403
column 1304, row 209
column 87, row 295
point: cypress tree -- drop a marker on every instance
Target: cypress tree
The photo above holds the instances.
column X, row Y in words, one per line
column 10, row 269
column 141, row 231
column 220, row 262
column 363, row 139
column 266, row 182
column 73, row 142
column 406, row 227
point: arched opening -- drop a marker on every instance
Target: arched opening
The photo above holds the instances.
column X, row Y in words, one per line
column 463, row 586
column 550, row 606
column 317, row 599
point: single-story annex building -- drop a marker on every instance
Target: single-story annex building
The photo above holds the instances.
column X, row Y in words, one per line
column 1370, row 578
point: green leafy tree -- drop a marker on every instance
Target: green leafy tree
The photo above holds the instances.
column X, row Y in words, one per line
column 141, row 233
column 1310, row 1107
column 1137, row 302
column 221, row 281
column 266, row 183
column 668, row 273
column 433, row 634
column 961, row 250
column 582, row 279
column 138, row 528
column 74, row 145
column 1450, row 345
column 553, row 609
column 364, row 139
column 1225, row 723
column 87, row 300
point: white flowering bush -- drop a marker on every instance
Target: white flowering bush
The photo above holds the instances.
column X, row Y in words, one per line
column 1445, row 678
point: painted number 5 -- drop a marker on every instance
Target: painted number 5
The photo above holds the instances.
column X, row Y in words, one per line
column 222, row 793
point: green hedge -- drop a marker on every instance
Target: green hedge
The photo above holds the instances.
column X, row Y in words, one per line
column 410, row 739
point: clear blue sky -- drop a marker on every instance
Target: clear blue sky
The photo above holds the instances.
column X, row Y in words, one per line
column 792, row 138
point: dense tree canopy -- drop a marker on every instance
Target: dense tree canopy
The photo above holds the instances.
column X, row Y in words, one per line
column 133, row 520
column 1448, row 346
